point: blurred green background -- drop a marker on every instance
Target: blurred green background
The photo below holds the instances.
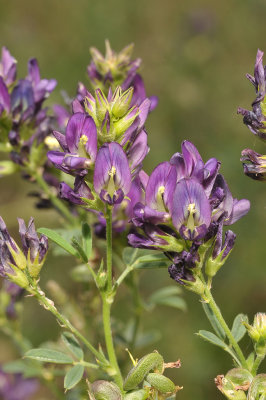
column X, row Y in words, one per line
column 195, row 56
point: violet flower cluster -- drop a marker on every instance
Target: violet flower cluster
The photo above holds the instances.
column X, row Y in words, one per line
column 254, row 164
column 22, row 118
column 15, row 263
column 103, row 148
column 187, row 204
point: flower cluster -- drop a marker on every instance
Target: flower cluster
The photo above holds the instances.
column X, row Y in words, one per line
column 21, row 101
column 254, row 164
column 117, row 69
column 187, row 203
column 103, row 147
column 17, row 264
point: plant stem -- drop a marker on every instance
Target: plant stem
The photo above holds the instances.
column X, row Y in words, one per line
column 109, row 248
column 218, row 314
column 58, row 204
column 256, row 365
column 107, row 299
column 49, row 305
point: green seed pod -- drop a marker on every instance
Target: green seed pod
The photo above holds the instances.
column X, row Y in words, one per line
column 104, row 390
column 150, row 362
column 257, row 390
column 160, row 382
column 137, row 395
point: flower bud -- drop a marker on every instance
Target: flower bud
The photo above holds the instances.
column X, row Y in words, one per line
column 254, row 164
column 122, row 103
column 124, row 123
column 102, row 105
column 7, row 168
column 257, row 332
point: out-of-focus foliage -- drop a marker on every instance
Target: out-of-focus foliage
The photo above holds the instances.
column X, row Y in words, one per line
column 195, row 56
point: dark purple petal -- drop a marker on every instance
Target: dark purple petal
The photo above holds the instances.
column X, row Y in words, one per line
column 140, row 241
column 67, row 193
column 154, row 102
column 178, row 160
column 191, row 211
column 77, row 107
column 34, row 71
column 139, row 90
column 221, row 190
column 259, row 74
column 22, row 98
column 193, row 160
column 61, row 140
column 144, row 109
column 74, row 162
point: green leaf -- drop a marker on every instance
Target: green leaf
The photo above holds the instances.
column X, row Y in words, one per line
column 87, row 239
column 79, row 249
column 73, row 345
column 238, row 329
column 172, row 301
column 59, row 240
column 211, row 338
column 167, row 291
column 48, row 355
column 130, row 254
column 151, row 261
column 73, row 376
column 213, row 320
column 81, row 273
column 22, row 367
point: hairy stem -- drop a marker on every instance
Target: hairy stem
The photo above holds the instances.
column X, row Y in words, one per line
column 58, row 204
column 49, row 305
column 107, row 299
column 256, row 365
column 223, row 324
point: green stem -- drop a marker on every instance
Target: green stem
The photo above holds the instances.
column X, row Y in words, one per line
column 58, row 204
column 107, row 299
column 138, row 307
column 256, row 365
column 49, row 305
column 218, row 314
column 109, row 248
column 109, row 340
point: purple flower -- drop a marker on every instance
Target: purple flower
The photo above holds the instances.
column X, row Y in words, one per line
column 254, row 164
column 79, row 145
column 191, row 210
column 256, row 119
column 15, row 387
column 13, row 260
column 41, row 87
column 8, row 67
column 112, row 178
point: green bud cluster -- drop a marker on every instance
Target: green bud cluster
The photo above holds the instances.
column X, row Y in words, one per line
column 257, row 332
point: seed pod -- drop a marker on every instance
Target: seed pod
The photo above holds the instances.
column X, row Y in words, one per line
column 104, row 390
column 161, row 383
column 150, row 362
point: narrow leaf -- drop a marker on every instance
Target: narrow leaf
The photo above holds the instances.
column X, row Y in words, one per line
column 79, row 249
column 48, row 355
column 87, row 239
column 73, row 376
column 73, row 345
column 22, row 367
column 151, row 261
column 213, row 320
column 165, row 292
column 238, row 329
column 212, row 338
column 172, row 301
column 130, row 254
column 59, row 240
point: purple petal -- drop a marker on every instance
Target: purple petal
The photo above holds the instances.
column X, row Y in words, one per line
column 259, row 74
column 34, row 71
column 144, row 109
column 62, row 115
column 61, row 140
column 193, row 160
column 138, row 150
column 67, row 193
column 154, row 102
column 4, row 96
column 240, row 208
column 8, row 67
column 160, row 187
column 190, row 194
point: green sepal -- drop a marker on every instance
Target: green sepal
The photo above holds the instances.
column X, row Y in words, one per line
column 80, row 250
column 19, row 278
column 257, row 390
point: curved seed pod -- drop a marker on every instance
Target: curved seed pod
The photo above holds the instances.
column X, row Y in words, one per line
column 150, row 362
column 161, row 383
column 137, row 395
column 104, row 390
